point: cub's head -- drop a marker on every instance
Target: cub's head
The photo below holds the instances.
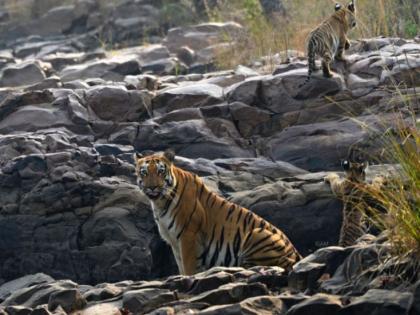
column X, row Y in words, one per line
column 355, row 172
column 348, row 13
column 154, row 175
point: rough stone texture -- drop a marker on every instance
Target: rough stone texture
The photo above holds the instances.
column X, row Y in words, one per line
column 380, row 302
column 145, row 300
column 317, row 304
column 198, row 37
column 236, row 291
column 116, row 103
column 23, row 74
column 68, row 204
column 66, row 172
column 70, row 300
column 72, row 115
column 415, row 301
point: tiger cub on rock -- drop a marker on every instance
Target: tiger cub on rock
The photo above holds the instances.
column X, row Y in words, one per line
column 203, row 229
column 350, row 190
column 329, row 39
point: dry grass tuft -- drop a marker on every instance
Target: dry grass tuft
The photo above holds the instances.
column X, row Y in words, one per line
column 400, row 194
column 267, row 37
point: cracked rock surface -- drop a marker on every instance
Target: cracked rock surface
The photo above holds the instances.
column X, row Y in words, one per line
column 72, row 115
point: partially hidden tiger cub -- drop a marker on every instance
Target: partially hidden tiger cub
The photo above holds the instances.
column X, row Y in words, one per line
column 204, row 229
column 350, row 190
column 329, row 39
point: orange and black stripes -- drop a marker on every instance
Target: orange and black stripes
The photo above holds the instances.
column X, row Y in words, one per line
column 349, row 190
column 204, row 229
column 329, row 39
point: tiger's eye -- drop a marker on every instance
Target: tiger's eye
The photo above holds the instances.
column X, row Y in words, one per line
column 143, row 172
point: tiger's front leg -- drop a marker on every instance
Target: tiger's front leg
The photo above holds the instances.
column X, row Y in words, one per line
column 344, row 45
column 189, row 253
column 326, row 61
column 347, row 44
column 336, row 183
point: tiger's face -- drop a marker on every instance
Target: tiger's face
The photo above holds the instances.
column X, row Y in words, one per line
column 349, row 13
column 355, row 172
column 154, row 176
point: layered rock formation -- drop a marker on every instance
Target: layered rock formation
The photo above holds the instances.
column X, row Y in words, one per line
column 72, row 115
column 259, row 290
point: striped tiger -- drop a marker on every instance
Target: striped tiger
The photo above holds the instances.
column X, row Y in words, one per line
column 203, row 229
column 350, row 189
column 329, row 39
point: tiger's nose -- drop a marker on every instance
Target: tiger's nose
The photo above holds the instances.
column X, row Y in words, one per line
column 153, row 188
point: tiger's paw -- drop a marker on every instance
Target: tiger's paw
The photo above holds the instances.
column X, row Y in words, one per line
column 328, row 75
column 347, row 45
column 340, row 58
column 331, row 177
column 379, row 181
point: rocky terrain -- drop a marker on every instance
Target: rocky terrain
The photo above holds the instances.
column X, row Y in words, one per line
column 72, row 114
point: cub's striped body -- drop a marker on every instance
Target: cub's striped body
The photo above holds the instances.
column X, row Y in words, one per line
column 351, row 190
column 204, row 229
column 329, row 39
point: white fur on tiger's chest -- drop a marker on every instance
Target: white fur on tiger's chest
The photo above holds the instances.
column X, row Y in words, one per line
column 163, row 223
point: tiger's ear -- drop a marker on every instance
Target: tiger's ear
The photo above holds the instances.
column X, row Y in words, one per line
column 351, row 6
column 137, row 156
column 169, row 154
column 365, row 164
column 337, row 6
column 346, row 165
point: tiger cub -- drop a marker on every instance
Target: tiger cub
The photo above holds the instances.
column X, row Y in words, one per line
column 329, row 39
column 350, row 190
column 203, row 229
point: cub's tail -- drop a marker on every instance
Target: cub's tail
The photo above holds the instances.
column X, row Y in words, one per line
column 311, row 61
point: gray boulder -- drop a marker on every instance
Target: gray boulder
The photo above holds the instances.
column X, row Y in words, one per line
column 118, row 104
column 317, row 304
column 212, row 138
column 145, row 300
column 37, row 294
column 23, row 74
column 8, row 288
column 199, row 36
column 114, row 69
column 379, row 302
column 196, row 95
column 267, row 305
column 230, row 293
column 70, row 300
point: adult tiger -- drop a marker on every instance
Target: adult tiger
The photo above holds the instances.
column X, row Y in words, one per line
column 203, row 229
column 329, row 39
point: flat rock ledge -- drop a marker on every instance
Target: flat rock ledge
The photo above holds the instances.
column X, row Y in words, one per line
column 332, row 280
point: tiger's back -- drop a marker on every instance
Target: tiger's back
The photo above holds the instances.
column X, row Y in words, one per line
column 206, row 230
column 238, row 237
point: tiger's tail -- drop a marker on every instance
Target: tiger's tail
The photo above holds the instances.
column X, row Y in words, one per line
column 311, row 61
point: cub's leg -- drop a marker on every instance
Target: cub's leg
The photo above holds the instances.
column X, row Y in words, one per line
column 347, row 44
column 326, row 61
column 336, row 183
column 311, row 63
column 188, row 253
column 344, row 45
column 351, row 228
